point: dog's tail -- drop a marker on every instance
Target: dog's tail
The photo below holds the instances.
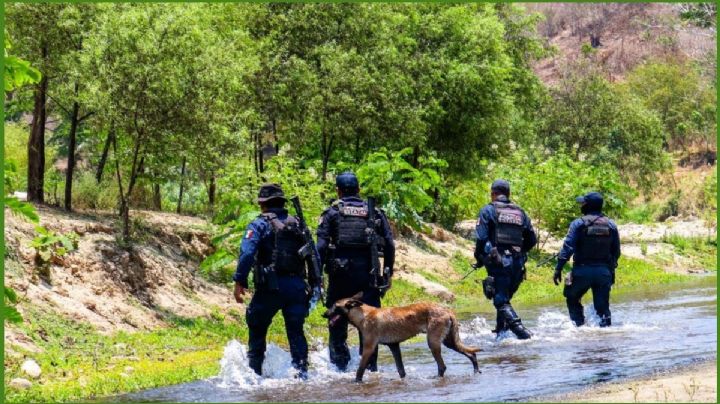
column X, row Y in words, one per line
column 452, row 340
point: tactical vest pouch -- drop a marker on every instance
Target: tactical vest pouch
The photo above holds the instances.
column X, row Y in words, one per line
column 270, row 281
column 509, row 225
column 341, row 265
column 488, row 285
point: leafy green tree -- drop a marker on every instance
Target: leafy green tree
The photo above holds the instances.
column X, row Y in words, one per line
column 685, row 102
column 601, row 123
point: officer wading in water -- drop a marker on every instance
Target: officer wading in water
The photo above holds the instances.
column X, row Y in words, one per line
column 351, row 236
column 594, row 243
column 504, row 236
column 272, row 242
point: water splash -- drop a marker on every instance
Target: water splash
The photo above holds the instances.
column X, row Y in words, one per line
column 277, row 370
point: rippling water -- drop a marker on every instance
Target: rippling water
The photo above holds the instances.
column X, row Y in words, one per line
column 651, row 332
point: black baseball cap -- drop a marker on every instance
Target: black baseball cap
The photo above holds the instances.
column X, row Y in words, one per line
column 500, row 186
column 270, row 191
column 591, row 198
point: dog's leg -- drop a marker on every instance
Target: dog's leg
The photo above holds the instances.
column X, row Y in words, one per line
column 449, row 342
column 434, row 345
column 369, row 345
column 395, row 349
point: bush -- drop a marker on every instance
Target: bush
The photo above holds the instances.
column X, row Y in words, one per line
column 546, row 185
column 405, row 192
column 16, row 143
column 88, row 194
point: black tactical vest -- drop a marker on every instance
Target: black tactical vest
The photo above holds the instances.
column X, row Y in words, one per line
column 352, row 222
column 288, row 241
column 508, row 224
column 594, row 242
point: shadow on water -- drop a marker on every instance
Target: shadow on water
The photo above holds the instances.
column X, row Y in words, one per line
column 653, row 330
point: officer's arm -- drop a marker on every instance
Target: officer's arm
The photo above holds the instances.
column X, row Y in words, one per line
column 568, row 248
column 615, row 246
column 529, row 235
column 482, row 234
column 323, row 239
column 389, row 247
column 248, row 248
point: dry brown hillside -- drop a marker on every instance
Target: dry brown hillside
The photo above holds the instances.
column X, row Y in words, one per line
column 628, row 34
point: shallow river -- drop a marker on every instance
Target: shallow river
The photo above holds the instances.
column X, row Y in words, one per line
column 651, row 332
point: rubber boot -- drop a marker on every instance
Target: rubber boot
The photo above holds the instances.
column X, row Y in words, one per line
column 302, row 370
column 605, row 321
column 500, row 324
column 256, row 365
column 514, row 323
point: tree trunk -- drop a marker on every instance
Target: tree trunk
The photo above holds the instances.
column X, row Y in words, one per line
column 157, row 200
column 182, row 185
column 357, row 148
column 261, row 159
column 211, row 191
column 255, row 153
column 36, row 143
column 104, row 156
column 124, row 196
column 71, row 152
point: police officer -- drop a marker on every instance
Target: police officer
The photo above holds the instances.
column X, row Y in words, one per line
column 594, row 244
column 270, row 247
column 504, row 236
column 344, row 248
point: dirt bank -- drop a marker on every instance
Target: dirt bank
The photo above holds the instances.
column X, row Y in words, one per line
column 694, row 384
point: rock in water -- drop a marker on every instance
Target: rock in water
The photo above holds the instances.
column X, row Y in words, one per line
column 31, row 368
column 20, row 383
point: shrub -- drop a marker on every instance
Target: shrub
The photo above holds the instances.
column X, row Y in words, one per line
column 405, row 192
column 546, row 185
column 88, row 194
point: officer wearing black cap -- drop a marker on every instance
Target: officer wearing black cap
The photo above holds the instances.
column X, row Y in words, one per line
column 504, row 236
column 594, row 243
column 270, row 248
column 344, row 250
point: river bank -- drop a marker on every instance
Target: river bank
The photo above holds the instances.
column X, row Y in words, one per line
column 696, row 383
column 158, row 322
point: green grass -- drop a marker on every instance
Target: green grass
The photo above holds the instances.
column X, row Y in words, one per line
column 701, row 250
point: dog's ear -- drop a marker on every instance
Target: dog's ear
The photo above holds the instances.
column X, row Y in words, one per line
column 352, row 303
column 358, row 295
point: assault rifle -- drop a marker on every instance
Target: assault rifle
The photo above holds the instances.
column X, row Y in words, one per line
column 309, row 250
column 377, row 270
column 546, row 260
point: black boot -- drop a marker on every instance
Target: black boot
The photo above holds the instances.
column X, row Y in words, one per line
column 513, row 322
column 500, row 324
column 605, row 321
column 256, row 365
column 302, row 369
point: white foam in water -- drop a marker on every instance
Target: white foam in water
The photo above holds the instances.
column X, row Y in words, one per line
column 277, row 368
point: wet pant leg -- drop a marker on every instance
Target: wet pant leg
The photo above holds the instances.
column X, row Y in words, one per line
column 294, row 310
column 260, row 312
column 601, row 297
column 573, row 294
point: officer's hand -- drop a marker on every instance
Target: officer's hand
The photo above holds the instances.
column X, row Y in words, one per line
column 239, row 292
column 557, row 277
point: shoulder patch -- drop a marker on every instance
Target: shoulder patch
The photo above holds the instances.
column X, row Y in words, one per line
column 249, row 233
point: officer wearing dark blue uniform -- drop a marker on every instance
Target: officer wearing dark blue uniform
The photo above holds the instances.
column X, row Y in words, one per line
column 594, row 243
column 344, row 250
column 504, row 236
column 270, row 247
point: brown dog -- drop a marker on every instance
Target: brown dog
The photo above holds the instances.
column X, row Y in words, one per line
column 391, row 326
